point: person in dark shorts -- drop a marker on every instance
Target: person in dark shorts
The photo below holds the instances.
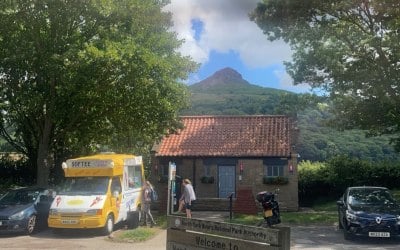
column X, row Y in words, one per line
column 188, row 197
column 146, row 204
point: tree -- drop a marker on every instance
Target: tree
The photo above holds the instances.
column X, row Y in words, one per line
column 74, row 74
column 349, row 48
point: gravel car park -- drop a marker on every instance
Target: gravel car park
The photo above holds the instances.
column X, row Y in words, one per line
column 302, row 237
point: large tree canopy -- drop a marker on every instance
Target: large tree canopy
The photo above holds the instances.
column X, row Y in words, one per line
column 78, row 73
column 350, row 48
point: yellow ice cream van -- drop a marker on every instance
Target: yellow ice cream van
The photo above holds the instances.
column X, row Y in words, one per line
column 100, row 191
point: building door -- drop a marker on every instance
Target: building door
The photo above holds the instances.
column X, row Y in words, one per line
column 226, row 178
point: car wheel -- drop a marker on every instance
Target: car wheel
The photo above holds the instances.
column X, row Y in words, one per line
column 31, row 225
column 109, row 226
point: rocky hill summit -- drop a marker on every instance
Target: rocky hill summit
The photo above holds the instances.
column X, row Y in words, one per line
column 224, row 76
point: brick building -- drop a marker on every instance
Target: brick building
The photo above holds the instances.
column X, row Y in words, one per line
column 239, row 155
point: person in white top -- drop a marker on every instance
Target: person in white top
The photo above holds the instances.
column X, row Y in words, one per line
column 188, row 197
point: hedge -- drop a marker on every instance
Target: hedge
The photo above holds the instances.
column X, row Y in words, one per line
column 329, row 180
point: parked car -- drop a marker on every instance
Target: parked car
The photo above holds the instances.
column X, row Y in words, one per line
column 368, row 211
column 24, row 209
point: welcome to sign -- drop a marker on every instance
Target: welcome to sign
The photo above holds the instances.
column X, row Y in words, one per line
column 183, row 233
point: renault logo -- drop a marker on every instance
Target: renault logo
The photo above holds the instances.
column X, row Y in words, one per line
column 378, row 219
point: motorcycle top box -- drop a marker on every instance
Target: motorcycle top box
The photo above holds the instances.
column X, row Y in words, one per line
column 270, row 207
column 265, row 196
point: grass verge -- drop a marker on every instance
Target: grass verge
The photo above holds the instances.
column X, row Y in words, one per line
column 309, row 218
column 291, row 218
column 322, row 213
column 135, row 235
column 141, row 234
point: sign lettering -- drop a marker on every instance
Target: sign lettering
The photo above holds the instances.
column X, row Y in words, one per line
column 204, row 242
column 230, row 230
column 89, row 163
column 177, row 240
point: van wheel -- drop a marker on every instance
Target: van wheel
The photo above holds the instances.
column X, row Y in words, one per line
column 31, row 225
column 133, row 219
column 109, row 226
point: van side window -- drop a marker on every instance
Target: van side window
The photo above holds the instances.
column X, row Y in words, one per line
column 134, row 177
column 116, row 185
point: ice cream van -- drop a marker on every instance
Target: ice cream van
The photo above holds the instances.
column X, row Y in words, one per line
column 100, row 191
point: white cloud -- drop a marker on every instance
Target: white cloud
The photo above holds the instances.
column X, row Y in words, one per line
column 226, row 27
column 286, row 82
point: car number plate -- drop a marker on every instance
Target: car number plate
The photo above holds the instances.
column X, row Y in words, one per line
column 268, row 213
column 69, row 221
column 379, row 234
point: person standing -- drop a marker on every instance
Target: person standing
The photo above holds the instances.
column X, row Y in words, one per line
column 188, row 197
column 146, row 204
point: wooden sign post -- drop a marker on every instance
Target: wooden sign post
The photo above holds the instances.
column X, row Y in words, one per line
column 183, row 233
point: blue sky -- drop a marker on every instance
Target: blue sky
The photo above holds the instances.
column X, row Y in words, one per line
column 219, row 34
column 263, row 76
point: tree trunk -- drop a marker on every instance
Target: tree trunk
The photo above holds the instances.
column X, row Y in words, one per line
column 43, row 156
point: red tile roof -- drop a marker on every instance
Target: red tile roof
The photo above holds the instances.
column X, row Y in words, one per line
column 229, row 136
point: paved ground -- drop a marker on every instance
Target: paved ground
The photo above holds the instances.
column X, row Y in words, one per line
column 302, row 237
column 330, row 237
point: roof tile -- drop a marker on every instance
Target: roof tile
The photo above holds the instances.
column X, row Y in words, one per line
column 226, row 136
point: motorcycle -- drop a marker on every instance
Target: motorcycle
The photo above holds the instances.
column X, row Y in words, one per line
column 270, row 208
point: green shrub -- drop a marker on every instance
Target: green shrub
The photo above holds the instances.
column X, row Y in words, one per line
column 313, row 182
column 279, row 180
column 328, row 180
column 15, row 173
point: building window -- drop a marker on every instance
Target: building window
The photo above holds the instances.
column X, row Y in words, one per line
column 207, row 170
column 164, row 170
column 163, row 173
column 274, row 170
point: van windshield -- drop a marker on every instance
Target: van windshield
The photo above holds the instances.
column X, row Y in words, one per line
column 85, row 186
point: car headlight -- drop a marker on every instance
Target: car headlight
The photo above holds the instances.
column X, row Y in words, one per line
column 53, row 212
column 350, row 216
column 94, row 212
column 18, row 216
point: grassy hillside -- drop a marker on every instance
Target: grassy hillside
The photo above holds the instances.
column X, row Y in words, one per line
column 233, row 99
column 317, row 142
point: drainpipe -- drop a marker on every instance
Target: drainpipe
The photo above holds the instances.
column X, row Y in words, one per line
column 194, row 173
